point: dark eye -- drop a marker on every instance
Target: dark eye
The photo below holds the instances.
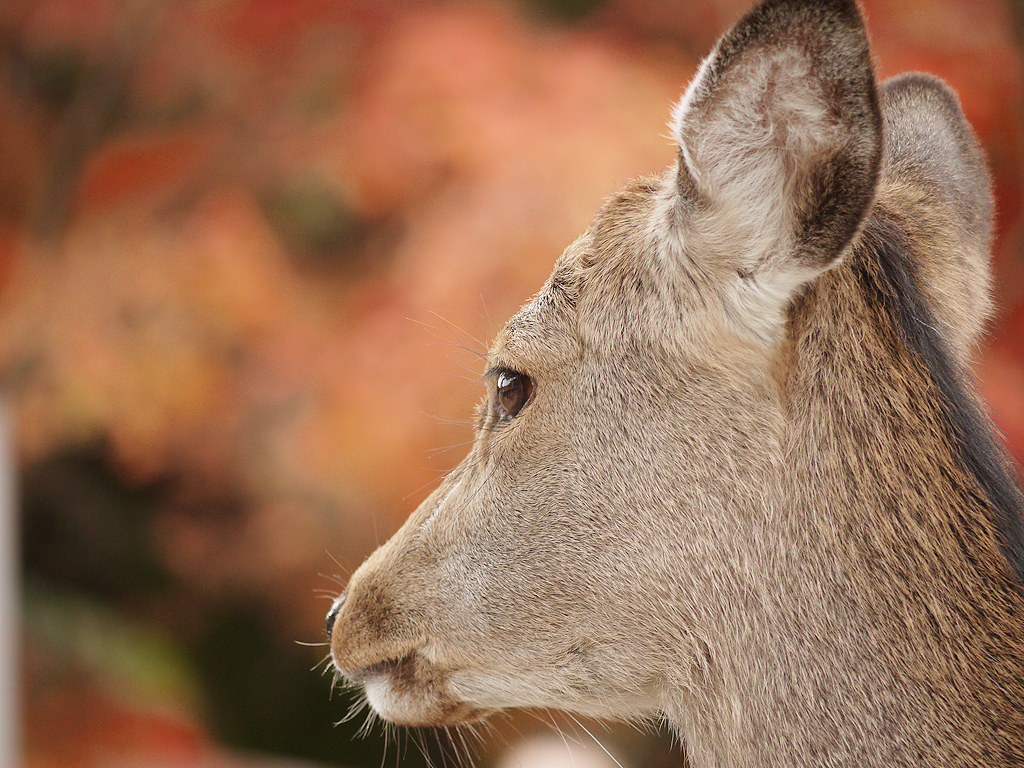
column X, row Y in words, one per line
column 514, row 391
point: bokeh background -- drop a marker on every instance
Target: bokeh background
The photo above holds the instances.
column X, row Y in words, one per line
column 250, row 253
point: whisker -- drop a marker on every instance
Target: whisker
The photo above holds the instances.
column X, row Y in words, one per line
column 338, row 563
column 465, row 335
column 366, row 727
column 495, row 733
column 596, row 740
column 467, row 752
column 485, row 315
column 465, row 465
column 387, row 736
column 357, row 706
column 326, row 658
column 416, row 737
column 561, row 734
column 435, row 452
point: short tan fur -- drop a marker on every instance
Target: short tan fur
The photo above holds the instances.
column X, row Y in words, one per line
column 731, row 470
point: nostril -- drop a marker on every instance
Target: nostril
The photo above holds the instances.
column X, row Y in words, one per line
column 332, row 615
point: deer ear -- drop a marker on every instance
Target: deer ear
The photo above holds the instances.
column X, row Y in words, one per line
column 780, row 142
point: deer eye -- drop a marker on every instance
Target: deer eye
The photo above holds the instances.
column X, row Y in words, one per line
column 514, row 391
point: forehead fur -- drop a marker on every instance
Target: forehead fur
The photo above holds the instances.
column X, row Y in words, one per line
column 543, row 333
column 632, row 277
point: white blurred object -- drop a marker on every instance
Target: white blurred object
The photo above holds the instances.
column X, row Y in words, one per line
column 550, row 751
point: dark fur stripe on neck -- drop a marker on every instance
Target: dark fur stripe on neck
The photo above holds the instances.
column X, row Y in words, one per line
column 979, row 451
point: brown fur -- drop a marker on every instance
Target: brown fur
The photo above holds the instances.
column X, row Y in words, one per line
column 752, row 491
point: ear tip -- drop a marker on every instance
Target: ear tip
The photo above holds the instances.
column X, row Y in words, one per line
column 838, row 35
column 781, row 130
column 849, row 9
column 832, row 20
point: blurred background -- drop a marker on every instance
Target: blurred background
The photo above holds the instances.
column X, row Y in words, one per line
column 250, row 253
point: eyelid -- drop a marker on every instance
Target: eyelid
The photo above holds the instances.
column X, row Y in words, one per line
column 494, row 370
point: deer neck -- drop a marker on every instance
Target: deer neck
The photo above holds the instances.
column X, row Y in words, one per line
column 882, row 631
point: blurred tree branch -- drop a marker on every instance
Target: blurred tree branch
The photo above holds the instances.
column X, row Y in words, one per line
column 98, row 96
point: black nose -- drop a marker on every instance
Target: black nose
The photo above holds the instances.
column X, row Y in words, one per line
column 333, row 614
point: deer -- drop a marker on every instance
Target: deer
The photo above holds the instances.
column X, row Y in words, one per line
column 732, row 470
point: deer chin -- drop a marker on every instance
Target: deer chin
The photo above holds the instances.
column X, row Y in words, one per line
column 412, row 691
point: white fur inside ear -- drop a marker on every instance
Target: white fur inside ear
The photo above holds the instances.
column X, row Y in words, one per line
column 751, row 138
column 750, row 146
column 756, row 306
column 753, row 305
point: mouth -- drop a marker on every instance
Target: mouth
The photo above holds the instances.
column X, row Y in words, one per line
column 412, row 691
column 388, row 667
